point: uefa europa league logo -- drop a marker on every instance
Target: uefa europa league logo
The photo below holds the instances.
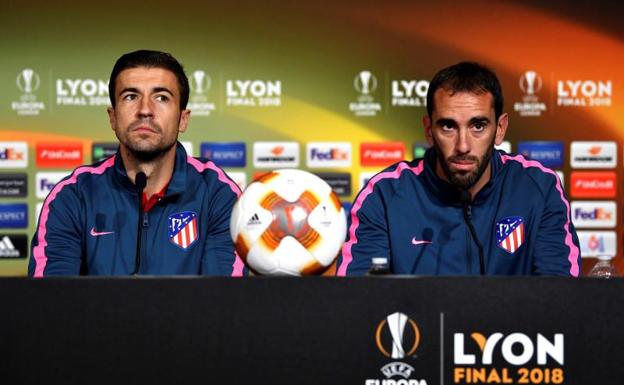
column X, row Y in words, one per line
column 28, row 81
column 200, row 82
column 396, row 324
column 530, row 82
column 365, row 82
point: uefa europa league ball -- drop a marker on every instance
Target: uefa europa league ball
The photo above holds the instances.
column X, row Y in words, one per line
column 289, row 222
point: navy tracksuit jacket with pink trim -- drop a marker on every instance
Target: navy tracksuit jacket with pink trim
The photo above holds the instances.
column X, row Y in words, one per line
column 409, row 215
column 88, row 223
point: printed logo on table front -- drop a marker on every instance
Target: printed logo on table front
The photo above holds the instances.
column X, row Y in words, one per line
column 593, row 154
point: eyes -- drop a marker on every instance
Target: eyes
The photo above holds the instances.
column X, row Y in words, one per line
column 160, row 97
column 477, row 126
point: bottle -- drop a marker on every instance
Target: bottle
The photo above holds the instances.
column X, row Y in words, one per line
column 603, row 268
column 379, row 266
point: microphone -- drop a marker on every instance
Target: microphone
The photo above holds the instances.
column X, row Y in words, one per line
column 140, row 181
column 466, row 200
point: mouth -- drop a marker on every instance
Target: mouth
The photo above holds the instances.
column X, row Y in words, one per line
column 144, row 129
column 463, row 165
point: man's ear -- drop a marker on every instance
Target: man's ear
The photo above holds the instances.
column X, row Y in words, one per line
column 427, row 126
column 184, row 119
column 111, row 117
column 501, row 128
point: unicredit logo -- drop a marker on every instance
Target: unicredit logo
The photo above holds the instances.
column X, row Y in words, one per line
column 59, row 155
column 381, row 154
column 593, row 184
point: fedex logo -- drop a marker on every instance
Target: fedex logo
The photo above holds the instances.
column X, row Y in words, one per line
column 381, row 154
column 594, row 214
column 59, row 155
column 45, row 182
column 13, row 154
column 329, row 154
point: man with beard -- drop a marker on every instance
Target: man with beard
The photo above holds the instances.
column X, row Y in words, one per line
column 91, row 224
column 465, row 208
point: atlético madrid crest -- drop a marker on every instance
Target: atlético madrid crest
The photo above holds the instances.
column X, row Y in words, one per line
column 183, row 230
column 510, row 233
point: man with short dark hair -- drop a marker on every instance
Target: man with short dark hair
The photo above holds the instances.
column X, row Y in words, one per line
column 465, row 208
column 90, row 222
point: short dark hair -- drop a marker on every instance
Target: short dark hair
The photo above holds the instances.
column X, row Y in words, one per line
column 150, row 59
column 466, row 77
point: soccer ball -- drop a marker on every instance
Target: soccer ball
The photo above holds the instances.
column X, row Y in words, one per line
column 289, row 222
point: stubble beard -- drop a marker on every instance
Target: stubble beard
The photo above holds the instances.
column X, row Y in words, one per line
column 144, row 151
column 464, row 180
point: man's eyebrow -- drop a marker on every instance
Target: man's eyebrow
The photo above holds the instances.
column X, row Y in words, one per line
column 446, row 122
column 154, row 90
column 128, row 89
column 480, row 119
column 162, row 89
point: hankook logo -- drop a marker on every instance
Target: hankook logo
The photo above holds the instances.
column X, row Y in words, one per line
column 397, row 336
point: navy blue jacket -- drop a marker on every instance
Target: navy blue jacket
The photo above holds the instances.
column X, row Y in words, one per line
column 88, row 224
column 409, row 215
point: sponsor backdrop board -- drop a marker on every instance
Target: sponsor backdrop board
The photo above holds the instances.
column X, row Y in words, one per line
column 330, row 86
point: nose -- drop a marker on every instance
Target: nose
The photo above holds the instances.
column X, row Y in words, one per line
column 463, row 141
column 145, row 108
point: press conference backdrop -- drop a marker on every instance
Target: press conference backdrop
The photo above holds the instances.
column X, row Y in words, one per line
column 337, row 88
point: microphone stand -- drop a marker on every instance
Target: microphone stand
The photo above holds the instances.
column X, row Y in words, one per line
column 140, row 181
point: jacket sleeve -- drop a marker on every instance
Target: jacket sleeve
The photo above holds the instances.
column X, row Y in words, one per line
column 56, row 247
column 219, row 257
column 367, row 234
column 557, row 250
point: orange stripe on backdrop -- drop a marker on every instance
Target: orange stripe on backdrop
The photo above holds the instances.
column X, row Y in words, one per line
column 513, row 38
column 44, row 137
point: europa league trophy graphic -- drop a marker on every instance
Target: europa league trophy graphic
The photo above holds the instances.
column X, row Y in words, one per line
column 365, row 83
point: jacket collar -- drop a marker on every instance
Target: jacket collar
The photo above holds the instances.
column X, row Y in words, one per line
column 177, row 185
column 449, row 193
